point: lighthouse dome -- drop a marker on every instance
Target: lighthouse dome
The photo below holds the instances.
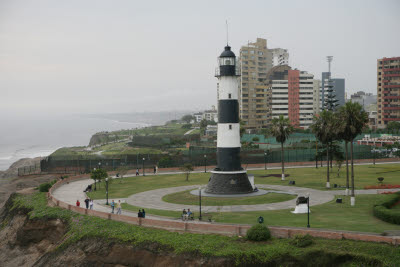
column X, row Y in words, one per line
column 227, row 52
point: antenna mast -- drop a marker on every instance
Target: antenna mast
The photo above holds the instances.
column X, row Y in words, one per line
column 329, row 59
column 227, row 36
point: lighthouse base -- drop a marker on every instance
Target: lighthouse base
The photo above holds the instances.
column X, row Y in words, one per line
column 229, row 183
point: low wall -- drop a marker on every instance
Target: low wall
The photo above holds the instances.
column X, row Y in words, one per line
column 215, row 228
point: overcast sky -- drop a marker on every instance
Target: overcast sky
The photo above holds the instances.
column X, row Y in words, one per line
column 122, row 56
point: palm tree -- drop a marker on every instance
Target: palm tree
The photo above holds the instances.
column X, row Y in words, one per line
column 325, row 130
column 353, row 120
column 281, row 129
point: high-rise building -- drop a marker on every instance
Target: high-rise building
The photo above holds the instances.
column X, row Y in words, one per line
column 255, row 61
column 292, row 95
column 279, row 56
column 363, row 98
column 388, row 89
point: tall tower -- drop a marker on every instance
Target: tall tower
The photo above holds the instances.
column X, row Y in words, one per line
column 228, row 177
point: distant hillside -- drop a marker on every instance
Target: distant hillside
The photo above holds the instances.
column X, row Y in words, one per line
column 153, row 118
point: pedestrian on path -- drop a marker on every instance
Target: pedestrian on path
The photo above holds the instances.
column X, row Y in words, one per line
column 87, row 202
column 154, row 169
column 137, row 172
column 140, row 214
column 112, row 206
column 78, row 203
column 119, row 207
column 91, row 204
column 143, row 213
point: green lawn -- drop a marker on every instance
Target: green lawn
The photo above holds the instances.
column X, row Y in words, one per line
column 186, row 198
column 329, row 215
column 316, row 178
column 275, row 252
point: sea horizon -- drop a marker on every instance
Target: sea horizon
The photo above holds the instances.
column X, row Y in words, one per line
column 40, row 137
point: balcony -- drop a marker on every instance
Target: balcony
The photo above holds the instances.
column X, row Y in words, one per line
column 391, row 97
column 391, row 119
column 392, row 75
column 391, row 108
column 392, row 86
column 390, row 69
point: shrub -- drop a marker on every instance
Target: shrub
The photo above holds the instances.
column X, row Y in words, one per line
column 44, row 187
column 302, row 241
column 384, row 212
column 258, row 232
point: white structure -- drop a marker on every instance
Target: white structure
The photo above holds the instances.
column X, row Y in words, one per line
column 279, row 102
column 316, row 97
column 279, row 56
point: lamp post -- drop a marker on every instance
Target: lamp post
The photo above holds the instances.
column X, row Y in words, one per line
column 205, row 163
column 107, row 190
column 373, row 152
column 316, row 154
column 143, row 167
column 265, row 160
column 99, row 165
column 95, row 179
column 200, row 202
column 308, row 210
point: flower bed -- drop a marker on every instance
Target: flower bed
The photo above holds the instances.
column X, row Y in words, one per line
column 387, row 192
column 382, row 186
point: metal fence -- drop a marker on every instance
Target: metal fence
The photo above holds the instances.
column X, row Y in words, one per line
column 196, row 156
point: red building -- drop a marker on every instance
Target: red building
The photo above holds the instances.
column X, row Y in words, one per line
column 388, row 90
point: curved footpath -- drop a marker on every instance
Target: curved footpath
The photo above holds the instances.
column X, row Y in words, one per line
column 65, row 193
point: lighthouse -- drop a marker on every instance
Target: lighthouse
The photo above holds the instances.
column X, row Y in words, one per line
column 228, row 177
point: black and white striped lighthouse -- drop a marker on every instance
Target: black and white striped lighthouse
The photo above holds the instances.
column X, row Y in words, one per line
column 228, row 177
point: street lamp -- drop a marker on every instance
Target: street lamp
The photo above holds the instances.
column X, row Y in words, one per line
column 373, row 152
column 205, row 163
column 94, row 169
column 265, row 160
column 316, row 154
column 200, row 202
column 99, row 165
column 308, row 210
column 143, row 167
column 107, row 190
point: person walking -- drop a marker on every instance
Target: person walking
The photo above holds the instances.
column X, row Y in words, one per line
column 140, row 214
column 154, row 169
column 91, row 204
column 112, row 206
column 137, row 172
column 78, row 203
column 87, row 202
column 119, row 207
column 143, row 213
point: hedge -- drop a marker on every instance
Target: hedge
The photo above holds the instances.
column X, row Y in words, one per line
column 385, row 212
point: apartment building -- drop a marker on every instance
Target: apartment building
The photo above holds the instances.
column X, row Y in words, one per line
column 280, row 56
column 292, row 95
column 388, row 89
column 255, row 62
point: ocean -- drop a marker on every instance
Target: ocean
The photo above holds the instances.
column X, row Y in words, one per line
column 39, row 136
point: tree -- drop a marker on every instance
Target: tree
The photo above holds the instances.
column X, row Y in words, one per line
column 187, row 118
column 353, row 119
column 330, row 99
column 393, row 126
column 187, row 168
column 98, row 174
column 203, row 124
column 281, row 129
column 324, row 128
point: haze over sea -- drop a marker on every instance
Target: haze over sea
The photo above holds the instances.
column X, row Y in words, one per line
column 23, row 137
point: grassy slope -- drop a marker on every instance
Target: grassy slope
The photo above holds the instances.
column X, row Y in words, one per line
column 329, row 215
column 275, row 251
column 186, row 198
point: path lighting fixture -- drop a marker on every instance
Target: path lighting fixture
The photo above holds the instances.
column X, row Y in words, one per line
column 308, row 210
column 205, row 163
column 99, row 165
column 200, row 203
column 143, row 167
column 107, row 190
column 94, row 169
column 265, row 160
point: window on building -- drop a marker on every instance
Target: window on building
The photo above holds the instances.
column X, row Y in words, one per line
column 229, row 96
